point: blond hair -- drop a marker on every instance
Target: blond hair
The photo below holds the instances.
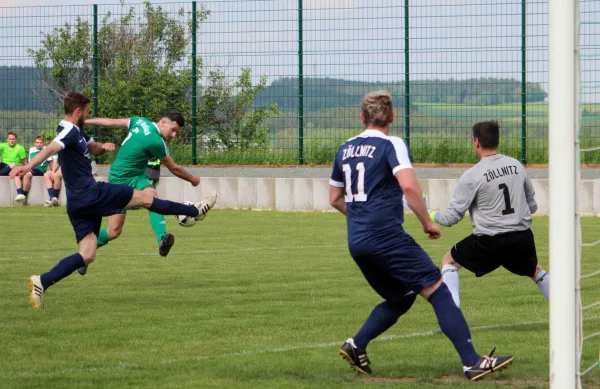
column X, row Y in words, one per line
column 377, row 108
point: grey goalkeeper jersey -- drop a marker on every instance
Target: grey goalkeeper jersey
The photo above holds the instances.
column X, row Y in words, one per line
column 498, row 194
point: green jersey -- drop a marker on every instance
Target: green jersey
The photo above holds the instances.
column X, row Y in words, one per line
column 44, row 165
column 13, row 154
column 142, row 143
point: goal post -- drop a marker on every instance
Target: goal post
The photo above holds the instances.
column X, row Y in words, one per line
column 562, row 121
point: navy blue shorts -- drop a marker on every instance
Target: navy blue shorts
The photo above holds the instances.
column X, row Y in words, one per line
column 4, row 169
column 398, row 269
column 36, row 172
column 86, row 210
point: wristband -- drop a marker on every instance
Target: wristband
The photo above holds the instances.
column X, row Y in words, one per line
column 432, row 215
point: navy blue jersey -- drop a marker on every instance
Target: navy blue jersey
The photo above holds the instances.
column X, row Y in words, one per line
column 366, row 166
column 74, row 157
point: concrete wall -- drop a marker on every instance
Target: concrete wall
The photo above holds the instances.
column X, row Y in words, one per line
column 289, row 194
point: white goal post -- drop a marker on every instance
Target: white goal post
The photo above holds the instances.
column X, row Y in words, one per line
column 562, row 134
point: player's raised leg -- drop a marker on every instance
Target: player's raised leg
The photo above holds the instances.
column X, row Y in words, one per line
column 38, row 285
column 145, row 199
column 450, row 276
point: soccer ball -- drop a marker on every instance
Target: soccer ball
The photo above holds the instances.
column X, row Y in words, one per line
column 184, row 220
column 408, row 206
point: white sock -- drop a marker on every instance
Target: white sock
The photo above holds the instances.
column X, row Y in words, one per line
column 542, row 280
column 450, row 278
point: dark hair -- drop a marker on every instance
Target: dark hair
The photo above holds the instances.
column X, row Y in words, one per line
column 39, row 137
column 74, row 100
column 175, row 116
column 12, row 133
column 488, row 134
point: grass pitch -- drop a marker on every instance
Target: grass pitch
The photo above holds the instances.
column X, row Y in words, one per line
column 251, row 300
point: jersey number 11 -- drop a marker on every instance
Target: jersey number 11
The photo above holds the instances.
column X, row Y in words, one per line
column 360, row 185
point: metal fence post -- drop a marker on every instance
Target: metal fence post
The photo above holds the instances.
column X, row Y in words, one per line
column 300, row 89
column 406, row 76
column 95, row 65
column 523, row 81
column 194, row 83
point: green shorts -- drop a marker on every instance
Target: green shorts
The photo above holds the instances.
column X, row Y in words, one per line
column 137, row 183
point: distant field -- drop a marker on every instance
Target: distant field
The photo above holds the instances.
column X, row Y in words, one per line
column 253, row 299
column 440, row 133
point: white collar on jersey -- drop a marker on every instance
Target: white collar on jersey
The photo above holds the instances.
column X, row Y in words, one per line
column 374, row 133
column 370, row 133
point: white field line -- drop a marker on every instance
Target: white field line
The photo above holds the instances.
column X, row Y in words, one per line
column 134, row 365
column 211, row 251
column 215, row 251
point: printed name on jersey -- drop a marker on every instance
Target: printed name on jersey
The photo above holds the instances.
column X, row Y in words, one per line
column 358, row 151
column 144, row 125
column 500, row 172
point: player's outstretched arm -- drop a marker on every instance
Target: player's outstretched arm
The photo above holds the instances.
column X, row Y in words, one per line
column 179, row 171
column 97, row 148
column 336, row 198
column 106, row 122
column 43, row 155
column 414, row 196
column 461, row 201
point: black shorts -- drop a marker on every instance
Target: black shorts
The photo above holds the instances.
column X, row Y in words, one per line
column 515, row 251
column 86, row 210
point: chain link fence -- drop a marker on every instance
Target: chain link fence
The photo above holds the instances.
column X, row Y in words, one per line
column 280, row 82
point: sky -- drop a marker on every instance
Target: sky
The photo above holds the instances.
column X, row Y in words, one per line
column 353, row 39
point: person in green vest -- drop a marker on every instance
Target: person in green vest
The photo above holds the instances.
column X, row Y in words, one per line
column 153, row 171
column 11, row 155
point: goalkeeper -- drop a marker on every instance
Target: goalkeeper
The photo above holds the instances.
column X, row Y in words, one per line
column 145, row 140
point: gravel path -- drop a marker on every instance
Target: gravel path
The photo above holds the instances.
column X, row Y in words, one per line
column 323, row 172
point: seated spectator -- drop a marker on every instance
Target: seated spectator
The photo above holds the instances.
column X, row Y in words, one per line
column 11, row 154
column 39, row 171
column 53, row 179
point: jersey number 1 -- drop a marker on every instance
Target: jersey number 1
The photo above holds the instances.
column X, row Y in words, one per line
column 508, row 210
column 360, row 185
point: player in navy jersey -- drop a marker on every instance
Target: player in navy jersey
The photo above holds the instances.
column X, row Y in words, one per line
column 87, row 200
column 371, row 172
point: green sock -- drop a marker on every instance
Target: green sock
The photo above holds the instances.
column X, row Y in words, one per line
column 103, row 238
column 159, row 226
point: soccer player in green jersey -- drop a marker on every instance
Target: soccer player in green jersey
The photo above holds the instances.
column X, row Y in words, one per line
column 144, row 141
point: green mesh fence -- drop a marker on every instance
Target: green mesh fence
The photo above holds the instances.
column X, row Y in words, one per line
column 280, row 82
column 590, row 79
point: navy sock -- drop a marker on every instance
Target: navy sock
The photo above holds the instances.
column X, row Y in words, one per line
column 56, row 192
column 166, row 207
column 453, row 324
column 62, row 269
column 381, row 318
column 25, row 193
column 51, row 192
column 20, row 191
